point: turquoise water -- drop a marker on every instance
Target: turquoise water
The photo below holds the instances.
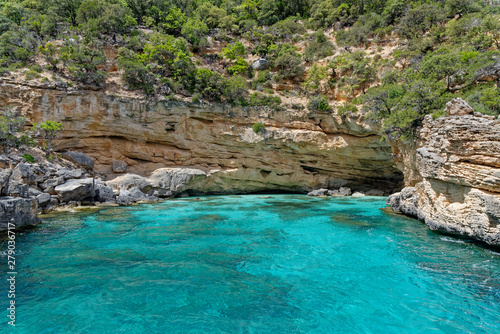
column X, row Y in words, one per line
column 251, row 264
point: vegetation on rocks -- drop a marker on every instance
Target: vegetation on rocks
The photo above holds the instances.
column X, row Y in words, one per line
column 393, row 60
column 13, row 134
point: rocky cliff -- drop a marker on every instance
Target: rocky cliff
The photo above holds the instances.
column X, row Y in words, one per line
column 150, row 149
column 458, row 161
column 297, row 151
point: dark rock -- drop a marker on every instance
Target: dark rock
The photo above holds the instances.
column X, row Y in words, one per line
column 32, row 192
column 128, row 197
column 4, row 178
column 80, row 159
column 119, row 166
column 16, row 189
column 49, row 185
column 21, row 212
column 105, row 194
column 23, row 173
column 43, row 199
column 75, row 190
column 375, row 192
column 260, row 64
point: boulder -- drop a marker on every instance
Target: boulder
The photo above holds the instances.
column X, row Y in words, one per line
column 22, row 212
column 342, row 191
column 80, row 159
column 4, row 178
column 129, row 181
column 133, row 195
column 260, row 64
column 49, row 185
column 23, row 173
column 16, row 189
column 104, row 194
column 75, row 190
column 458, row 107
column 404, row 201
column 119, row 166
column 168, row 181
column 358, row 194
column 43, row 199
column 318, row 192
column 32, row 192
column 69, row 173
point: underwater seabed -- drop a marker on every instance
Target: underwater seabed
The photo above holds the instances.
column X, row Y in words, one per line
column 250, row 264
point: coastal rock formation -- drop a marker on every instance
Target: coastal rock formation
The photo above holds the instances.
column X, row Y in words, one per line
column 298, row 151
column 459, row 165
column 20, row 212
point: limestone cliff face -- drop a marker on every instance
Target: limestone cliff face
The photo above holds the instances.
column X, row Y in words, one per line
column 459, row 164
column 297, row 151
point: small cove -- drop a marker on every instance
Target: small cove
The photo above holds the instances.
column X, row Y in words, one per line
column 251, row 264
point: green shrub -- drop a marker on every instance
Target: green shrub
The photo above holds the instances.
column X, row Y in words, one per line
column 319, row 48
column 347, row 109
column 209, row 84
column 29, row 158
column 235, row 89
column 233, row 51
column 11, row 133
column 319, row 103
column 82, row 60
column 263, row 79
column 240, row 66
column 48, row 130
column 263, row 100
column 258, row 127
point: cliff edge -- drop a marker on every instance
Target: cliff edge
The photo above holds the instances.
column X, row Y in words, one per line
column 458, row 160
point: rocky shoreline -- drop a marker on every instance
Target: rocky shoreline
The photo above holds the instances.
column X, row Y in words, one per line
column 30, row 189
column 118, row 151
column 458, row 161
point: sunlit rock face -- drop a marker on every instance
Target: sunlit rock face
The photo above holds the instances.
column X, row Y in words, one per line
column 459, row 164
column 297, row 151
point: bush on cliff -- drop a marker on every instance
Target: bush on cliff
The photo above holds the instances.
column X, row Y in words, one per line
column 11, row 133
column 47, row 131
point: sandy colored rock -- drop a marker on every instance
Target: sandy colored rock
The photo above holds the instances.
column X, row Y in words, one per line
column 458, row 107
column 299, row 151
column 459, row 163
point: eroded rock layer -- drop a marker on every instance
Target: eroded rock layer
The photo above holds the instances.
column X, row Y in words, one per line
column 298, row 151
column 459, row 165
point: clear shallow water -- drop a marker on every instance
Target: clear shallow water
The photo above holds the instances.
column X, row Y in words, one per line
column 251, row 264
